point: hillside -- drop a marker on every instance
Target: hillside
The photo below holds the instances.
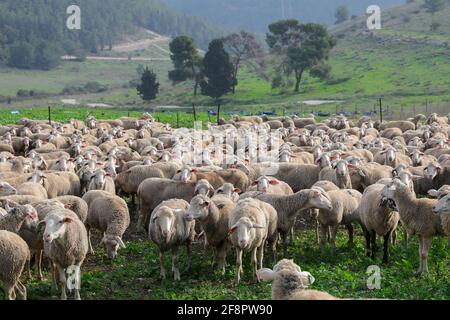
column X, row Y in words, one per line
column 33, row 34
column 406, row 63
column 255, row 15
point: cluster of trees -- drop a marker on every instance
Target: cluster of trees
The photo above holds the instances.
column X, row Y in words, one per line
column 297, row 47
column 33, row 34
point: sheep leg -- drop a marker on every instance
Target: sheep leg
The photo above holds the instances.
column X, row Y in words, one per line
column 350, row 233
column 367, row 236
column 215, row 254
column 285, row 241
column 9, row 291
column 374, row 244
column 334, row 231
column 394, row 237
column 161, row 264
column 255, row 261
column 317, row 231
column 133, row 199
column 88, row 229
column 188, row 255
column 260, row 254
column 62, row 281
column 221, row 257
column 39, row 264
column 426, row 244
column 406, row 236
column 22, row 290
column 28, row 268
column 323, row 231
column 238, row 264
column 175, row 270
column 54, row 276
column 419, row 271
column 387, row 237
column 77, row 287
column 273, row 247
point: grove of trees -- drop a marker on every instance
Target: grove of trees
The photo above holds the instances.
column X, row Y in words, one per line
column 38, row 28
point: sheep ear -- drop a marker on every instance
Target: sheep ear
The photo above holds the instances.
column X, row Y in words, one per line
column 119, row 240
column 274, row 182
column 67, row 220
column 232, row 229
column 254, row 183
column 307, row 278
column 265, row 274
column 433, row 193
column 237, row 190
column 40, row 225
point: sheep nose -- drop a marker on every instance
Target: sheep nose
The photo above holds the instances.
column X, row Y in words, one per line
column 242, row 243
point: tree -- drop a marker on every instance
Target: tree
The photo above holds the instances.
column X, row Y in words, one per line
column 149, row 87
column 187, row 64
column 218, row 71
column 434, row 6
column 47, row 56
column 299, row 46
column 21, row 56
column 341, row 14
column 243, row 48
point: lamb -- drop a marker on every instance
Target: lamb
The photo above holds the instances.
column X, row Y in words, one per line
column 228, row 190
column 58, row 183
column 153, row 191
column 100, row 180
column 338, row 174
column 130, row 180
column 66, row 245
column 417, row 217
column 442, row 208
column 168, row 229
column 14, row 254
column 289, row 206
column 368, row 174
column 17, row 216
column 76, row 204
column 213, row 215
column 376, row 219
column 110, row 215
column 271, row 185
column 217, row 178
column 343, row 211
column 251, row 223
column 289, row 282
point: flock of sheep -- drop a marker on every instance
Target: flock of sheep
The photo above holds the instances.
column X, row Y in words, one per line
column 59, row 181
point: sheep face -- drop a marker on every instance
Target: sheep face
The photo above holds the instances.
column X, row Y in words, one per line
column 319, row 200
column 6, row 189
column 186, row 174
column 443, row 205
column 165, row 222
column 431, row 171
column 55, row 227
column 244, row 231
column 391, row 188
column 264, row 182
column 99, row 178
column 38, row 177
column 112, row 245
column 288, row 275
column 198, row 208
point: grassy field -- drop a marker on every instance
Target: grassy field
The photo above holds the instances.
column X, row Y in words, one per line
column 135, row 273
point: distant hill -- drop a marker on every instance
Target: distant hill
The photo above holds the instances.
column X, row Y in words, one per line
column 256, row 15
column 33, row 33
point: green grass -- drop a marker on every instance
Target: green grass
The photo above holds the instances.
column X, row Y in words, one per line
column 135, row 273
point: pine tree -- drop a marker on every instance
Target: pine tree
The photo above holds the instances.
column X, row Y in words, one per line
column 149, row 87
column 218, row 71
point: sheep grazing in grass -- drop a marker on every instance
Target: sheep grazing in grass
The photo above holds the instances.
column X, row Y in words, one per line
column 169, row 230
column 252, row 222
column 289, row 282
column 14, row 254
column 110, row 215
column 377, row 219
column 213, row 214
column 66, row 245
column 417, row 217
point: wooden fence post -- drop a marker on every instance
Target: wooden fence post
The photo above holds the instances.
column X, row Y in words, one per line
column 49, row 115
column 178, row 119
column 381, row 112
